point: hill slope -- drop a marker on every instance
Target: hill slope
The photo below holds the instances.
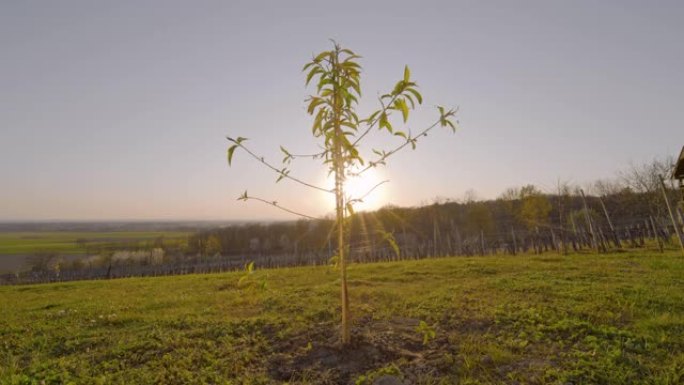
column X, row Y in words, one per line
column 529, row 319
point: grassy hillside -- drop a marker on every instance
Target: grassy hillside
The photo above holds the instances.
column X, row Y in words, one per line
column 581, row 319
column 65, row 242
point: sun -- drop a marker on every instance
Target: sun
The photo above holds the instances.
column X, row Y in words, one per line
column 369, row 187
column 361, row 187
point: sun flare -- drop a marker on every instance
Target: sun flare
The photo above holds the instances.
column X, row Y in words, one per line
column 368, row 187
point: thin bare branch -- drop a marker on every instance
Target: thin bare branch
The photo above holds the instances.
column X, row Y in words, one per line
column 280, row 171
column 409, row 140
column 362, row 197
column 313, row 156
column 275, row 204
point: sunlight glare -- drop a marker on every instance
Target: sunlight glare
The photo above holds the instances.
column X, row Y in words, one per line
column 356, row 187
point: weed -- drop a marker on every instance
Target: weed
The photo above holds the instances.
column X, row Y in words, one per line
column 427, row 331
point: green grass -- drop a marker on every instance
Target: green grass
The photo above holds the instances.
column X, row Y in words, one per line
column 581, row 319
column 65, row 242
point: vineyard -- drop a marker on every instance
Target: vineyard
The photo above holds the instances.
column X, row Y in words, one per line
column 520, row 222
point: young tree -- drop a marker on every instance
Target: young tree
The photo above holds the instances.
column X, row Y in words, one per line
column 337, row 76
column 644, row 179
column 212, row 246
column 535, row 207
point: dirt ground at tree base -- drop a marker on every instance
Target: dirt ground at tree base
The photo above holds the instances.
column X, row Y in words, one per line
column 376, row 344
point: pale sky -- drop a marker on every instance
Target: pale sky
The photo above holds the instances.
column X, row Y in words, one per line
column 119, row 109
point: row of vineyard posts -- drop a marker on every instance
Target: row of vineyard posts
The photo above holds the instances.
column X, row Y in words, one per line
column 494, row 227
column 586, row 223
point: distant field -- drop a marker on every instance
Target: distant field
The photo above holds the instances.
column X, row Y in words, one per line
column 23, row 243
column 529, row 319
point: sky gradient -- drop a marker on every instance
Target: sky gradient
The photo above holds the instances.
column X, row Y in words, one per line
column 119, row 110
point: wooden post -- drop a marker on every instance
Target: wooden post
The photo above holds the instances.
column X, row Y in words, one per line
column 669, row 209
column 594, row 241
column 405, row 245
column 632, row 241
column 554, row 241
column 515, row 242
column 603, row 241
column 560, row 220
column 575, row 238
column 482, row 243
column 655, row 235
column 435, row 235
column 574, row 226
column 459, row 241
column 616, row 239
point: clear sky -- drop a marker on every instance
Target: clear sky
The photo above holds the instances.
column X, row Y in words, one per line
column 119, row 109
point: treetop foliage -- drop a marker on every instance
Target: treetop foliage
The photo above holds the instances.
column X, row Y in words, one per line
column 336, row 76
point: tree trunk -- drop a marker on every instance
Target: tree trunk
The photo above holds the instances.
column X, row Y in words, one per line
column 338, row 167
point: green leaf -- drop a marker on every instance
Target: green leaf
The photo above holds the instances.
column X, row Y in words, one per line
column 351, row 98
column 389, row 237
column 417, row 94
column 372, row 117
column 231, row 149
column 399, row 88
column 346, row 123
column 321, row 56
column 243, row 197
column 384, row 122
column 348, row 52
column 410, row 99
column 250, row 267
column 407, row 74
column 323, row 82
column 334, row 260
column 287, row 157
column 283, row 173
column 350, row 208
column 400, row 104
column 315, row 102
column 352, row 65
column 311, row 74
column 316, row 128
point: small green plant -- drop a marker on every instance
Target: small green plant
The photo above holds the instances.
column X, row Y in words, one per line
column 427, row 331
column 247, row 279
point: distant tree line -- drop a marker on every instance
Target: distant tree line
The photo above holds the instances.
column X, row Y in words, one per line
column 608, row 211
column 623, row 212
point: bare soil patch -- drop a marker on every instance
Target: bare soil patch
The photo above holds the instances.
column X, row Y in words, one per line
column 317, row 356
